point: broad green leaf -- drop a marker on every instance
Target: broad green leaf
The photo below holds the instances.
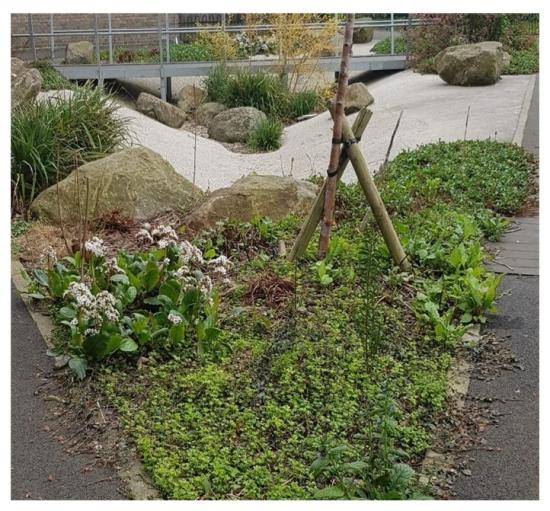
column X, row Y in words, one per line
column 128, row 345
column 78, row 366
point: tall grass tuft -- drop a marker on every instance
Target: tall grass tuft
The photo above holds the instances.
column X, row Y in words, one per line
column 303, row 103
column 51, row 137
column 266, row 136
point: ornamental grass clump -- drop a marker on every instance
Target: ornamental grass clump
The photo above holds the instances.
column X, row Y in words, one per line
column 52, row 136
column 266, row 136
column 163, row 299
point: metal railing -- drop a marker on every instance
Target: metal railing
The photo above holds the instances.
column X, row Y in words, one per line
column 164, row 31
column 164, row 34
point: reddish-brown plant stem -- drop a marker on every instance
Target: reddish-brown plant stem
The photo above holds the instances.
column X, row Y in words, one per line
column 330, row 192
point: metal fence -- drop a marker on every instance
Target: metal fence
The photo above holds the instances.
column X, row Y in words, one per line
column 165, row 33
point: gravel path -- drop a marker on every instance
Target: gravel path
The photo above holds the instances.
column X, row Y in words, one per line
column 432, row 110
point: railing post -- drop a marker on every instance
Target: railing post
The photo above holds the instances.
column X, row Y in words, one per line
column 97, row 53
column 167, row 26
column 110, row 22
column 392, row 35
column 408, row 38
column 52, row 38
column 31, row 36
column 161, row 62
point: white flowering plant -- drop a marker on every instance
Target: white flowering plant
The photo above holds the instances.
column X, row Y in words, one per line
column 165, row 297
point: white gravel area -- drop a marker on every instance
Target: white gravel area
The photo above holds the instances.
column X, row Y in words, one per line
column 432, row 111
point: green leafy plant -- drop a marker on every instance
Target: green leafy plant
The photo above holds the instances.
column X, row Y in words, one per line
column 383, row 47
column 162, row 298
column 266, row 136
column 50, row 137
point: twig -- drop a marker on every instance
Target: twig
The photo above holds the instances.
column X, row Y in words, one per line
column 503, row 264
column 466, row 126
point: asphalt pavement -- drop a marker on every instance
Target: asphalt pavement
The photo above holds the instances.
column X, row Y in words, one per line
column 40, row 470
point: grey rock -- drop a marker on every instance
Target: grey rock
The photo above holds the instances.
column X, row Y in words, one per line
column 137, row 182
column 207, row 112
column 161, row 110
column 25, row 82
column 80, row 52
column 471, row 64
column 235, row 124
column 254, row 196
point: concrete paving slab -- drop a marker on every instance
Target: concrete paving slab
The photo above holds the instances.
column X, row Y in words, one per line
column 518, row 251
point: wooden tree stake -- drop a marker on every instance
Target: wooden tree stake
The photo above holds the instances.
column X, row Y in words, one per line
column 330, row 192
column 375, row 201
column 316, row 213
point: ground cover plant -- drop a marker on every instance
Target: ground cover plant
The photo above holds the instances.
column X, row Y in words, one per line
column 49, row 138
column 325, row 378
column 383, row 47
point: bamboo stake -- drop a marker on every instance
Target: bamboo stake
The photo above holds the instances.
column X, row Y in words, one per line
column 316, row 213
column 330, row 192
column 375, row 201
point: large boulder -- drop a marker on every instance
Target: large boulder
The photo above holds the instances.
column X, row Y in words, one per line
column 161, row 110
column 190, row 98
column 363, row 35
column 80, row 52
column 25, row 82
column 254, row 196
column 207, row 112
column 235, row 124
column 137, row 182
column 471, row 64
column 357, row 97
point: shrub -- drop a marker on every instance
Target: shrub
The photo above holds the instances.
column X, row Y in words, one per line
column 54, row 136
column 267, row 135
column 303, row 103
column 524, row 61
column 260, row 90
column 383, row 47
column 444, row 30
column 162, row 298
column 195, row 52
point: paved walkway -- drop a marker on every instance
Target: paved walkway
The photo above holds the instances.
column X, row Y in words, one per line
column 40, row 470
column 512, row 471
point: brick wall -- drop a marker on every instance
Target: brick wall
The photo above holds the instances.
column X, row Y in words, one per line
column 66, row 21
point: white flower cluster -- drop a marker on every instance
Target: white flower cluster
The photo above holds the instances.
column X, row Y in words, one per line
column 175, row 319
column 145, row 235
column 164, row 236
column 112, row 266
column 95, row 246
column 92, row 307
column 190, row 254
column 49, row 255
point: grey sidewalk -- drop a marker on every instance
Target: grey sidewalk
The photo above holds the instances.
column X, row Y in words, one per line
column 512, row 471
column 40, row 470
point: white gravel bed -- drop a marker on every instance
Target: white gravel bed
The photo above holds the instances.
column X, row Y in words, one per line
column 432, row 110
